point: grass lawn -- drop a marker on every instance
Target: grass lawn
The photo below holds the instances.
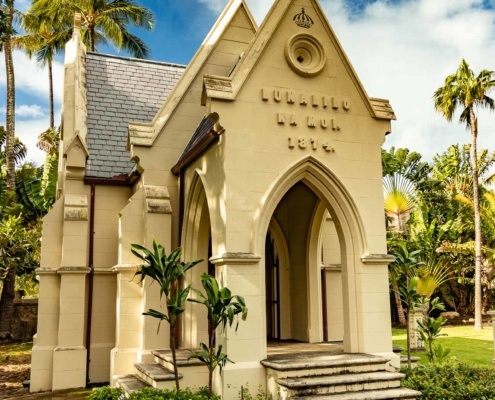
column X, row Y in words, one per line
column 15, row 360
column 464, row 343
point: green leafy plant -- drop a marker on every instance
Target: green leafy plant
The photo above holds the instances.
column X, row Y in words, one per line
column 429, row 329
column 106, row 393
column 166, row 271
column 453, row 380
column 183, row 394
column 441, row 353
column 409, row 297
column 245, row 394
column 223, row 308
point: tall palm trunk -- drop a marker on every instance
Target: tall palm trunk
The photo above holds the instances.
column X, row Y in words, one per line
column 8, row 291
column 211, row 342
column 173, row 335
column 477, row 222
column 6, row 303
column 91, row 35
column 10, row 122
column 50, row 84
column 398, row 301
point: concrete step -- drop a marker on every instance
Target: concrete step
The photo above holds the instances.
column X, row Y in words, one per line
column 388, row 394
column 342, row 383
column 130, row 383
column 156, row 375
column 403, row 359
column 194, row 371
column 311, row 364
column 164, row 357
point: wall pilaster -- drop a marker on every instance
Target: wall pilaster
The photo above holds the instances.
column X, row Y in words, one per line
column 129, row 321
column 157, row 226
column 243, row 274
column 69, row 357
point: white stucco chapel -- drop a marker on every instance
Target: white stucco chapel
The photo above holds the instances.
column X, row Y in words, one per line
column 262, row 157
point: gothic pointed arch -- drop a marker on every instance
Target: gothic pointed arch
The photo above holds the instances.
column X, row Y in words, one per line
column 334, row 197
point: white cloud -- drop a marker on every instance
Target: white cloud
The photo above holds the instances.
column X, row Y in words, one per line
column 404, row 52
column 258, row 8
column 33, row 80
column 27, row 111
column 22, row 5
column 28, row 132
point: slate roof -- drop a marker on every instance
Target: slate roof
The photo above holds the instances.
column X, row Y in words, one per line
column 121, row 90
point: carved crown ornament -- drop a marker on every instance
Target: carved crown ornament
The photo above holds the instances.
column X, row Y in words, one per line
column 303, row 20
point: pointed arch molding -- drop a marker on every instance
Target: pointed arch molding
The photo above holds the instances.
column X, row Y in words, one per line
column 329, row 189
column 194, row 204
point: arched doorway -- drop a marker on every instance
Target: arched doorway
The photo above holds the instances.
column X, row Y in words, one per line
column 322, row 191
column 197, row 245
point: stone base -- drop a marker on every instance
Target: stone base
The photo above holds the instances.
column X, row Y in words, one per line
column 122, row 362
column 69, row 368
column 394, row 363
column 41, row 368
column 238, row 375
column 99, row 366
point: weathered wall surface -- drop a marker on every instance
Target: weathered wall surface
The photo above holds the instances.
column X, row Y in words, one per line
column 25, row 318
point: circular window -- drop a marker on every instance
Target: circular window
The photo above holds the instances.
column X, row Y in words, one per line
column 305, row 54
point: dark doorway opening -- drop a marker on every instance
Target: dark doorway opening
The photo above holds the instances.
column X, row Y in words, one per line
column 272, row 282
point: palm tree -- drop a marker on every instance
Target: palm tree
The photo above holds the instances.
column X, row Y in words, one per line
column 6, row 33
column 405, row 260
column 464, row 90
column 103, row 21
column 399, row 200
column 49, row 141
column 45, row 38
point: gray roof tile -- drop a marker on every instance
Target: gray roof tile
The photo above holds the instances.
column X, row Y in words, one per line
column 121, row 90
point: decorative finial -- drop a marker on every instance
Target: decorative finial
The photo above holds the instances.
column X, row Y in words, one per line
column 303, row 20
column 77, row 22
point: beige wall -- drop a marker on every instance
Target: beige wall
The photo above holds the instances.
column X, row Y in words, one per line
column 271, row 163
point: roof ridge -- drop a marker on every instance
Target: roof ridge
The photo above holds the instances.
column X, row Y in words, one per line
column 164, row 63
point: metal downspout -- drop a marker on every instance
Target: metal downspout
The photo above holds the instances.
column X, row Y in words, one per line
column 91, row 279
column 181, row 204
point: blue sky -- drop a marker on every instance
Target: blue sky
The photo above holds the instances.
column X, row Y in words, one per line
column 401, row 49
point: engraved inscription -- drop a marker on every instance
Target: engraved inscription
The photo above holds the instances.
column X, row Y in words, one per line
column 303, row 143
column 334, row 105
column 313, row 122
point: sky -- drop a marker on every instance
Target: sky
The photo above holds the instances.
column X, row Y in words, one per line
column 402, row 50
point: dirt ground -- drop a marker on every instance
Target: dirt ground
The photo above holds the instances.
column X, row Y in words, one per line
column 15, row 366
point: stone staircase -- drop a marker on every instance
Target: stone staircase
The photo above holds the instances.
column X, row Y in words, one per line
column 159, row 374
column 326, row 376
column 403, row 358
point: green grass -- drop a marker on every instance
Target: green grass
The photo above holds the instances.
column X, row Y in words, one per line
column 464, row 343
column 14, row 351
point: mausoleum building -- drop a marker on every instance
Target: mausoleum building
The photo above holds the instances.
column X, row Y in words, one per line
column 262, row 157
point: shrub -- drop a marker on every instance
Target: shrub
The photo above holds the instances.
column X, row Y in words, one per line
column 106, row 393
column 183, row 394
column 452, row 380
column 245, row 394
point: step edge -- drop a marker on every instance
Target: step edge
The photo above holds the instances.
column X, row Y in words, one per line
column 154, row 377
column 387, row 376
column 123, row 386
column 412, row 394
